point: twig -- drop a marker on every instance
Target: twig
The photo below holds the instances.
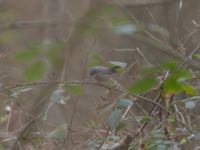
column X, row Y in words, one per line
column 142, row 55
column 155, row 101
column 190, row 56
column 157, row 44
column 23, row 131
column 71, row 121
column 43, row 83
column 151, row 101
column 144, row 2
column 32, row 23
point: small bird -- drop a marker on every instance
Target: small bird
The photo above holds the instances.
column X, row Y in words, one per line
column 101, row 73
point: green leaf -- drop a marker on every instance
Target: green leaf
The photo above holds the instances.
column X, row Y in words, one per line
column 35, row 71
column 115, row 118
column 27, row 55
column 142, row 86
column 121, row 103
column 59, row 134
column 197, row 55
column 176, row 82
column 54, row 55
column 189, row 90
column 171, row 65
column 159, row 133
column 190, row 105
column 117, row 20
column 142, row 119
column 76, row 89
column 171, row 85
column 182, row 76
column 34, row 49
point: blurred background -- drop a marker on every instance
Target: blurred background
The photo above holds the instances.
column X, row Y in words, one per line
column 43, row 42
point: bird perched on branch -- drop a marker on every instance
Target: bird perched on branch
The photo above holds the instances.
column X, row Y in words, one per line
column 102, row 73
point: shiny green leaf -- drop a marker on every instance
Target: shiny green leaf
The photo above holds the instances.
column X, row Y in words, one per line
column 189, row 90
column 142, row 86
column 171, row 65
column 182, row 75
column 171, row 85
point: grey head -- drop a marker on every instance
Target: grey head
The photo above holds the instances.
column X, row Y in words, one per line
column 101, row 73
column 100, row 70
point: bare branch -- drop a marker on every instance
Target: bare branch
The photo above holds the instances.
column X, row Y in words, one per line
column 30, row 24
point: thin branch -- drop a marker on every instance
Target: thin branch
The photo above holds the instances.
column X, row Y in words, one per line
column 71, row 121
column 190, row 56
column 30, row 24
column 43, row 83
column 157, row 44
column 166, row 50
